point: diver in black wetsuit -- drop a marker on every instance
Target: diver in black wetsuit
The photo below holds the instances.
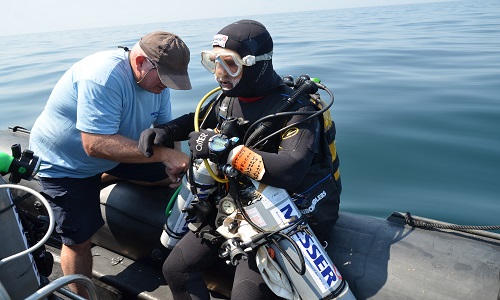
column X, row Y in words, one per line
column 297, row 160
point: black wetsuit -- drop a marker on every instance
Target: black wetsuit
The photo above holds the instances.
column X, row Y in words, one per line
column 288, row 159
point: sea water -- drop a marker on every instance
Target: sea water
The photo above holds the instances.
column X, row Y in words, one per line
column 417, row 95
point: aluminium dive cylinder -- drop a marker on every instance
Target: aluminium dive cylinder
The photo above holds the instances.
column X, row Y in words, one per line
column 177, row 223
column 274, row 209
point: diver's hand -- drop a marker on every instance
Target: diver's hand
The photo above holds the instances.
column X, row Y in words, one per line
column 198, row 143
column 154, row 137
column 247, row 161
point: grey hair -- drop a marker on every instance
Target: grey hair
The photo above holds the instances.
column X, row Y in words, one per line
column 137, row 51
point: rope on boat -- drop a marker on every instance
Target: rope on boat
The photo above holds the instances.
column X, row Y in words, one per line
column 429, row 224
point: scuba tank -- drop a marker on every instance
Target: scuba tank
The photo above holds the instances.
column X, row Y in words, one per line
column 19, row 274
column 178, row 214
column 197, row 184
column 272, row 209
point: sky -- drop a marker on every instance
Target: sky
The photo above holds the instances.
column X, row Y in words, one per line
column 33, row 16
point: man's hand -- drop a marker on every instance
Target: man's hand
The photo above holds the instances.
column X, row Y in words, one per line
column 154, row 137
column 176, row 165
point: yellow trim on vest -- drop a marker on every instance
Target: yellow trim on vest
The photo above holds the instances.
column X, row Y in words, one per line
column 336, row 175
column 333, row 150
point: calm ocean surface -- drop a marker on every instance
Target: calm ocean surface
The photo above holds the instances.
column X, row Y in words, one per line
column 417, row 95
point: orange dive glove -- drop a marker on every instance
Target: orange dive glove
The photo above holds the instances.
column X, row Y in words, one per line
column 247, row 162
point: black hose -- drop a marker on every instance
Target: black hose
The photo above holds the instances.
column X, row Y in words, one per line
column 268, row 237
column 302, row 269
column 312, row 114
column 15, row 202
column 308, row 87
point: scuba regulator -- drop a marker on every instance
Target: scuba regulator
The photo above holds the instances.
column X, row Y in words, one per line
column 23, row 165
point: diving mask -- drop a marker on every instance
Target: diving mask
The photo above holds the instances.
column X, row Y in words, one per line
column 230, row 61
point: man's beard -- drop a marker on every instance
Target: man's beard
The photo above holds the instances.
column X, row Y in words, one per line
column 227, row 82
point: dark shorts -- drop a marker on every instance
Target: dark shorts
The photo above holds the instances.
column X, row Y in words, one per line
column 150, row 172
column 76, row 201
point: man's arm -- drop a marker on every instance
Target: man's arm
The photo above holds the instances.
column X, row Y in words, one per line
column 118, row 148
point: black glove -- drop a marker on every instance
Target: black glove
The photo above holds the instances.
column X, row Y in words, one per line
column 198, row 143
column 154, row 137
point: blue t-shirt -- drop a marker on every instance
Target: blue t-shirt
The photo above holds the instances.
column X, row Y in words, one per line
column 98, row 94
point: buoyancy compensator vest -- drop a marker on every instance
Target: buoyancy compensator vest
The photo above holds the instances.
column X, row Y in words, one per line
column 318, row 195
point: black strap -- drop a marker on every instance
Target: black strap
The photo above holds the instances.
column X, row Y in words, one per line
column 15, row 201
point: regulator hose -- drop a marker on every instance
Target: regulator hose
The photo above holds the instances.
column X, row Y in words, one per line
column 197, row 128
column 308, row 87
column 168, row 210
column 290, row 113
column 302, row 269
column 50, row 215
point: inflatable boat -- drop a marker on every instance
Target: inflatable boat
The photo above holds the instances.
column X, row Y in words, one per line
column 401, row 257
